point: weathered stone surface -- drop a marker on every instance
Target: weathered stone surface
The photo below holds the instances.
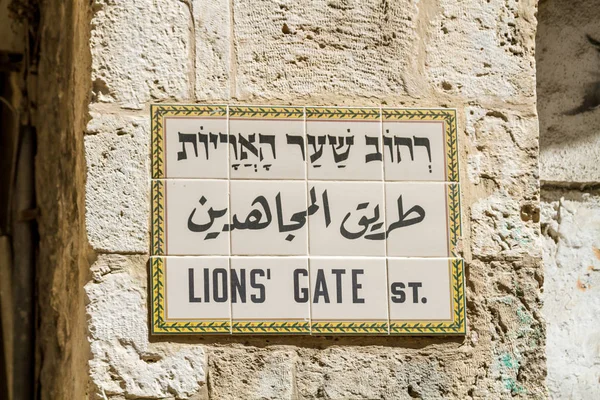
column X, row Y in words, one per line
column 212, row 27
column 571, row 227
column 567, row 78
column 498, row 230
column 288, row 48
column 117, row 189
column 371, row 373
column 483, row 49
column 502, row 158
column 61, row 92
column 141, row 51
column 251, row 373
column 124, row 363
column 336, row 52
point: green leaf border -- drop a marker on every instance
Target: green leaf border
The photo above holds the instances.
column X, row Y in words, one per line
column 157, row 240
column 159, row 326
column 350, row 328
column 343, row 113
column 268, row 327
column 454, row 218
column 266, row 112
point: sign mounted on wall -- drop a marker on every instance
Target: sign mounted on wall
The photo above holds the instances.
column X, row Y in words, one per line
column 305, row 220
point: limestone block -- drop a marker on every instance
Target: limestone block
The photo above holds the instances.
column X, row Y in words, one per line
column 503, row 148
column 567, row 75
column 302, row 48
column 140, row 51
column 250, row 373
column 213, row 48
column 504, row 305
column 123, row 363
column 571, row 227
column 483, row 49
column 117, row 188
column 370, row 373
column 499, row 231
column 502, row 158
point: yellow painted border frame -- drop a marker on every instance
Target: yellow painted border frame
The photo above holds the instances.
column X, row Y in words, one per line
column 160, row 326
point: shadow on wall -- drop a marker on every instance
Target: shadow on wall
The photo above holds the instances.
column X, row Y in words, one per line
column 568, row 71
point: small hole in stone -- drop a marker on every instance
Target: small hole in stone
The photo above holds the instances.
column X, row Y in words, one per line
column 285, row 29
column 413, row 393
column 446, row 86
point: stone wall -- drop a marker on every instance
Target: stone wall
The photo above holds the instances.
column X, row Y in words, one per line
column 59, row 92
column 568, row 71
column 478, row 58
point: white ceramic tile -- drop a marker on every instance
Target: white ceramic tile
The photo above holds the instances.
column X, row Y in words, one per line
column 197, row 288
column 346, row 218
column 268, row 218
column 267, row 148
column 417, row 221
column 196, row 217
column 420, row 289
column 341, row 149
column 414, row 151
column 348, row 289
column 270, row 288
column 196, row 147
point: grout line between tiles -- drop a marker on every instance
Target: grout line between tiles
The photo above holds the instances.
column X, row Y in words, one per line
column 306, row 169
column 230, row 221
column 309, row 180
column 385, row 222
column 229, row 186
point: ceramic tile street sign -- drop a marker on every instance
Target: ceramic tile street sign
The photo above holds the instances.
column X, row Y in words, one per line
column 305, row 220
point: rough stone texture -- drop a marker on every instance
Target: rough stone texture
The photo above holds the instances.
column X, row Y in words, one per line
column 124, row 363
column 141, row 51
column 504, row 160
column 568, row 73
column 116, row 208
column 256, row 373
column 484, row 49
column 307, row 48
column 63, row 87
column 212, row 30
column 341, row 52
column 571, row 227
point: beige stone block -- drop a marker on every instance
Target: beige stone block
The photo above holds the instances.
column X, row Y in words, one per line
column 499, row 230
column 503, row 149
column 571, row 245
column 370, row 372
column 483, row 49
column 117, row 187
column 124, row 364
column 140, row 51
column 502, row 159
column 291, row 49
column 567, row 81
column 212, row 28
column 250, row 373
